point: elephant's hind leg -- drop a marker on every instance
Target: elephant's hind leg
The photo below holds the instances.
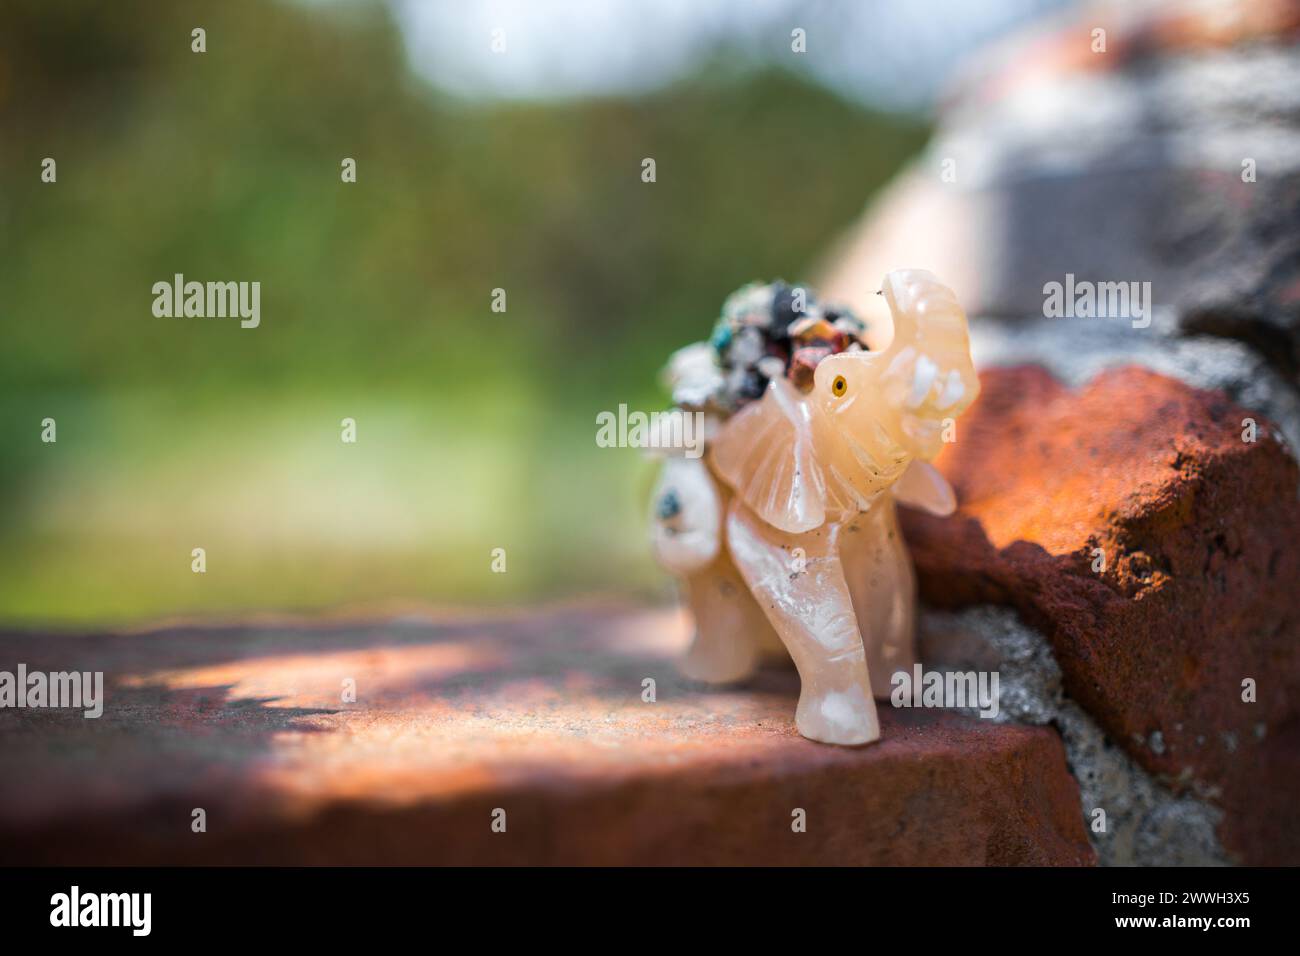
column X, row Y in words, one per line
column 807, row 600
column 731, row 632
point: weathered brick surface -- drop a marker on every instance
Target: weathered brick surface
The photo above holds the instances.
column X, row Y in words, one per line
column 540, row 715
column 1201, row 536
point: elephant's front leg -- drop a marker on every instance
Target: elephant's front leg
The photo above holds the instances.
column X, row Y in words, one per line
column 798, row 581
column 883, row 588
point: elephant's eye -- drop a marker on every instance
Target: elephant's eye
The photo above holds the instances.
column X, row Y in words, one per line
column 839, row 386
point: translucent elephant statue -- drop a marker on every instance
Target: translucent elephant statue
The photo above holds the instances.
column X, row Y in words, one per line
column 785, row 532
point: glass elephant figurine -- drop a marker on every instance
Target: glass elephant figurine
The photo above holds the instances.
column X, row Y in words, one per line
column 784, row 533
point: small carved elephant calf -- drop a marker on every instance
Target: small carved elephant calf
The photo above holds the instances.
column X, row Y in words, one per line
column 785, row 532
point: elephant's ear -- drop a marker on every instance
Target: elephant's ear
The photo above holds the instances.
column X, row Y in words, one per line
column 921, row 486
column 765, row 452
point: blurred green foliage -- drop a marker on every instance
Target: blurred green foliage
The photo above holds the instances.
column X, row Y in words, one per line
column 476, row 430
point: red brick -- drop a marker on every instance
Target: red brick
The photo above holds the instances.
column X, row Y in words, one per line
column 539, row 714
column 1200, row 532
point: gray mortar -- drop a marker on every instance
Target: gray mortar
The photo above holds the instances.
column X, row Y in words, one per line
column 1146, row 824
column 1135, row 175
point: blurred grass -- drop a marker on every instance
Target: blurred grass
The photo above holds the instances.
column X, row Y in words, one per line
column 476, row 430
